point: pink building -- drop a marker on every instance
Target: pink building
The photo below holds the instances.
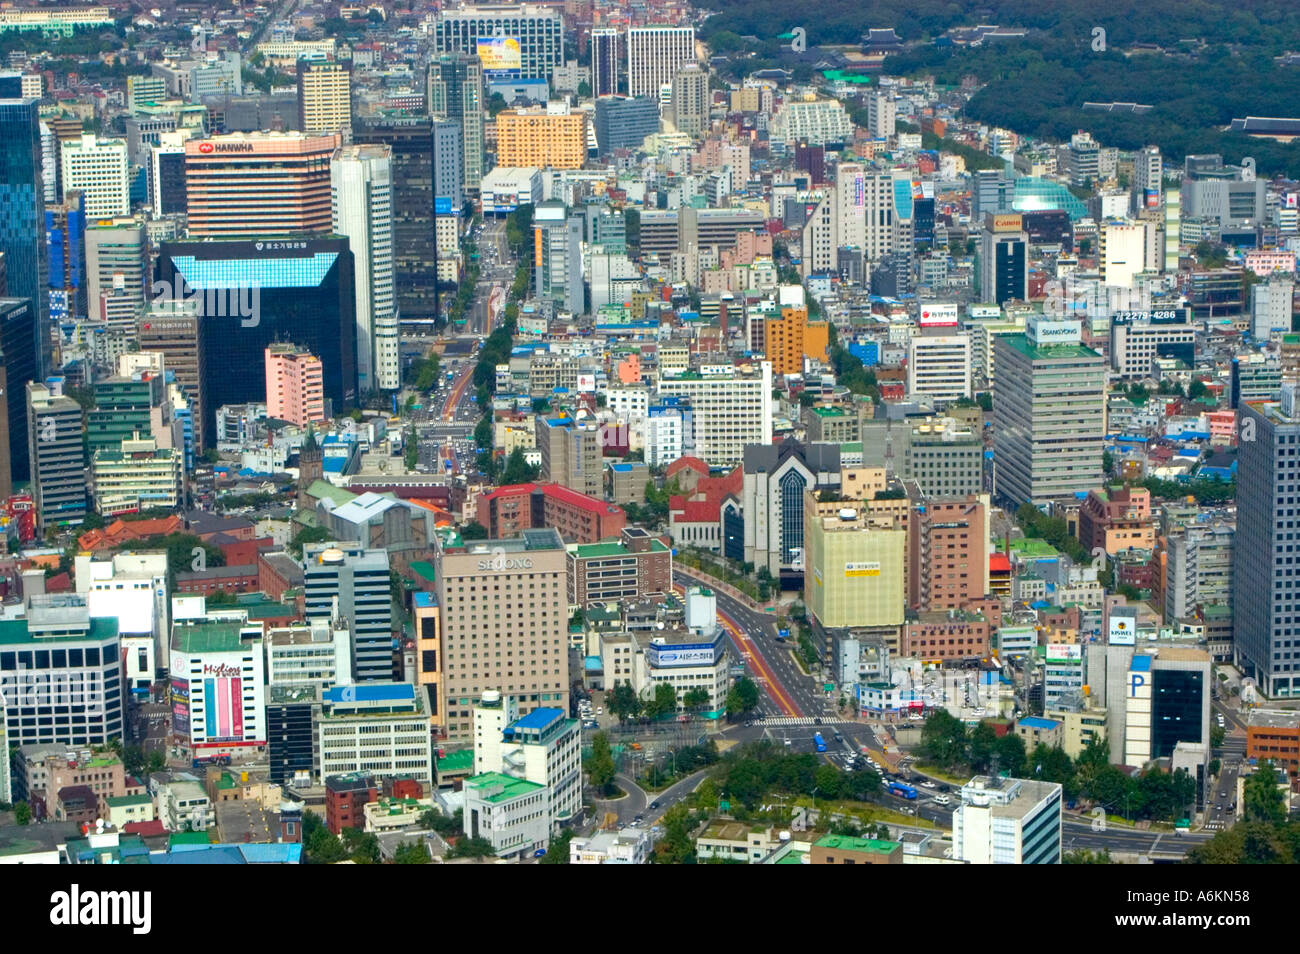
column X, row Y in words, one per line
column 294, row 388
column 1222, row 427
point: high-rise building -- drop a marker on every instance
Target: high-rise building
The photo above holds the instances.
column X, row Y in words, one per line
column 258, row 184
column 510, row 37
column 138, row 475
column 20, row 356
column 1003, row 259
column 456, row 93
column 1268, row 475
column 1270, row 307
column 99, row 168
column 554, row 137
column 325, row 97
column 654, row 55
column 882, row 115
column 606, row 55
column 22, row 215
column 508, row 597
column 623, row 123
column 790, row 338
column 855, row 569
column 1008, row 821
column 1083, row 160
column 1123, row 253
column 558, row 246
column 571, row 453
column 117, row 281
column 218, row 667
column 65, row 234
column 167, row 174
column 948, row 552
column 172, row 329
column 939, row 366
column 729, row 411
column 1049, row 414
column 358, row 579
column 56, row 455
column 1148, row 178
column 293, row 385
column 944, row 458
column 251, row 294
column 691, row 99
column 14, row 85
column 544, row 747
column 362, row 191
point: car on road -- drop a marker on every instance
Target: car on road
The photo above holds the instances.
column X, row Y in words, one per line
column 942, row 799
column 639, row 818
column 817, row 721
column 654, row 804
column 928, row 784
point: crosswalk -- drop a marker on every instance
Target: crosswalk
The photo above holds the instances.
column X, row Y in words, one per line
column 799, row 720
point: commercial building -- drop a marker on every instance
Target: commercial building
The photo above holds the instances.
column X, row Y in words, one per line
column 22, row 216
column 1122, row 253
column 1049, row 414
column 353, row 582
column 630, row 846
column 552, row 136
column 557, row 252
column 1274, row 735
column 252, row 294
column 943, row 459
column 634, row 568
column 1268, row 474
column 62, row 673
column 56, row 455
column 856, row 567
column 218, row 685
column 789, row 339
column 507, row 511
column 1199, row 568
column 510, row 813
column 1003, row 259
column 65, row 234
column 1115, row 519
column 325, row 97
column 1167, row 703
column 571, row 453
column 730, row 409
column 951, row 636
column 20, row 356
column 948, row 552
column 98, row 168
column 623, row 123
column 294, row 392
column 691, row 99
column 117, row 273
column 606, row 55
column 172, row 329
column 1137, row 339
column 815, row 122
column 939, row 366
column 688, row 660
column 544, row 746
column 654, row 55
column 504, row 606
column 138, row 475
column 1008, row 821
column 258, row 184
column 361, row 188
column 521, row 40
column 848, row 850
column 379, row 728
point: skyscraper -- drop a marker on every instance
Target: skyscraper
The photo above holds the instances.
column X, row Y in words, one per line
column 22, row 214
column 117, row 258
column 1003, row 259
column 605, row 56
column 253, row 293
column 1049, row 414
column 623, row 123
column 691, row 100
column 358, row 578
column 172, row 328
column 455, row 92
column 1265, row 606
column 362, row 195
column 20, row 356
column 293, row 385
column 99, row 168
column 324, row 97
column 559, row 256
column 57, row 457
column 65, row 234
column 537, row 32
column 654, row 55
column 258, row 184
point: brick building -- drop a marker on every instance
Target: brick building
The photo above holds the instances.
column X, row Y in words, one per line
column 345, row 799
column 1116, row 519
column 508, row 511
column 634, row 567
column 1275, row 735
column 950, row 635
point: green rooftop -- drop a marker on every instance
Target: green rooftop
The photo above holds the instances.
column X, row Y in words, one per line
column 207, row 637
column 830, row 412
column 1033, row 352
column 1031, row 548
column 187, row 838
column 511, row 788
column 594, row 551
column 424, row 570
column 257, row 606
column 121, row 801
column 462, row 760
column 14, row 632
column 866, row 845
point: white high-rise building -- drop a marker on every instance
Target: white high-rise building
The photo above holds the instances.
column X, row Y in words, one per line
column 850, row 205
column 729, row 410
column 99, row 168
column 1123, row 252
column 361, row 191
column 1008, row 821
column 654, row 54
column 882, row 114
column 940, row 366
column 1148, row 177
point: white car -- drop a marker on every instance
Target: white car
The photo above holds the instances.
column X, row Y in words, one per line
column 941, row 799
column 928, row 784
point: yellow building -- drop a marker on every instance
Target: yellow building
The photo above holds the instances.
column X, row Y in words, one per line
column 539, row 138
column 1078, row 729
column 324, row 97
column 855, row 562
column 790, row 337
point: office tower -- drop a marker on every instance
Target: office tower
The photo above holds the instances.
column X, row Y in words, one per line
column 516, row 39
column 1270, row 306
column 258, row 184
column 944, row 459
column 775, row 477
column 56, row 456
column 654, row 55
column 882, row 114
column 1268, row 475
column 558, row 269
column 1049, row 414
column 124, row 407
column 144, row 89
column 138, row 475
column 167, row 174
column 544, row 747
column 623, row 123
column 1148, row 178
column 1123, row 252
column 20, row 356
column 99, row 168
column 605, row 56
column 65, row 236
column 422, row 161
column 362, row 196
column 506, row 596
column 730, row 411
column 948, row 551
column 293, row 385
column 172, row 329
column 854, row 567
column 691, row 100
column 448, row 168
column 865, row 210
column 117, row 262
column 939, row 366
column 1003, row 260
column 22, row 215
column 325, row 97
column 992, row 192
column 251, row 294
column 14, row 85
column 1083, row 163
column 790, row 338
column 571, row 453
column 1254, row 377
column 455, row 93
column 358, row 579
column 58, row 644
column 1008, row 821
column 539, row 137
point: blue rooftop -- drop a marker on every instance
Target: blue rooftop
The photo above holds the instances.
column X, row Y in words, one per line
column 423, row 599
column 264, row 273
column 1140, row 664
column 621, row 467
column 538, row 718
column 1034, row 722
column 371, row 692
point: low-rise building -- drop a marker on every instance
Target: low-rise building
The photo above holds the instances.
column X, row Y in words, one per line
column 1274, row 735
column 1008, row 821
column 729, row 840
column 509, row 812
column 380, row 728
column 630, row 846
column 847, row 850
column 395, row 814
column 634, row 567
column 544, row 746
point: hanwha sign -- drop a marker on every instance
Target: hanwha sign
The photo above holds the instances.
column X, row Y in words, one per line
column 205, row 147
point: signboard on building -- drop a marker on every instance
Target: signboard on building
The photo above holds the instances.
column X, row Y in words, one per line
column 586, row 383
column 1122, row 631
column 982, row 312
column 1068, row 653
column 1007, row 223
column 180, row 695
column 1159, row 316
column 500, row 53
column 861, row 569
column 663, row 656
column 1056, row 332
column 938, row 316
